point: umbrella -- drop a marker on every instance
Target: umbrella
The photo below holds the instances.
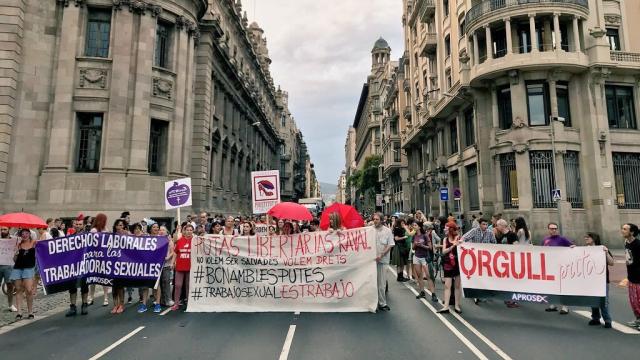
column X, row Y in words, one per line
column 290, row 211
column 349, row 216
column 22, row 220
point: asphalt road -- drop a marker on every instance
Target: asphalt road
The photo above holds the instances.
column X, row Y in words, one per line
column 411, row 330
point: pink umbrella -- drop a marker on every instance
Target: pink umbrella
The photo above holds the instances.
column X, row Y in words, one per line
column 290, row 211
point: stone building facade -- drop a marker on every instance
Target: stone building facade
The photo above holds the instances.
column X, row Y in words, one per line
column 105, row 100
column 513, row 99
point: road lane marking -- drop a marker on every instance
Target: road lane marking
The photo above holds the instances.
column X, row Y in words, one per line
column 296, row 313
column 614, row 324
column 447, row 323
column 115, row 344
column 166, row 311
column 287, row 343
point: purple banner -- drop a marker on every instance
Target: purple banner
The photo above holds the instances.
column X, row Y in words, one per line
column 100, row 258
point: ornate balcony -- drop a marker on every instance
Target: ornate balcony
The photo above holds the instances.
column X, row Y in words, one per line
column 626, row 59
column 428, row 44
column 422, row 10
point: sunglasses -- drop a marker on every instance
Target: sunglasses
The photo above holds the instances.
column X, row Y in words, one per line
column 553, row 228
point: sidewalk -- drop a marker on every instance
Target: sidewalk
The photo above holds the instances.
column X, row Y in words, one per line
column 41, row 304
column 618, row 272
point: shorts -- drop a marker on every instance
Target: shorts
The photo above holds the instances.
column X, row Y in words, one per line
column 5, row 273
column 419, row 261
column 20, row 274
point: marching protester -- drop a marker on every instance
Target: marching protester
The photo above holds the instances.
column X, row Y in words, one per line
column 593, row 239
column 162, row 295
column 423, row 251
column 522, row 231
column 6, row 267
column 508, row 238
column 78, row 228
column 99, row 225
column 630, row 233
column 229, row 227
column 119, row 227
column 24, row 271
column 400, row 253
column 384, row 243
column 451, row 268
column 555, row 239
column 481, row 234
column 183, row 264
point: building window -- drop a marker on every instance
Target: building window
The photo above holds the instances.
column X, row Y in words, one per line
column 98, row 31
column 572, row 177
column 509, row 177
column 453, row 133
column 396, row 152
column 89, row 142
column 542, row 178
column 449, row 82
column 445, row 6
column 447, row 46
column 394, row 127
column 620, row 108
column 538, row 103
column 564, row 109
column 163, row 44
column 524, row 39
column 626, row 170
column 613, row 36
column 157, row 146
column 472, row 178
column 469, row 130
column 504, row 107
column 213, row 157
column 283, row 121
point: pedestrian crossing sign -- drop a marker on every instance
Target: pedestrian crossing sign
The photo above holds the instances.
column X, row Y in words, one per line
column 555, row 193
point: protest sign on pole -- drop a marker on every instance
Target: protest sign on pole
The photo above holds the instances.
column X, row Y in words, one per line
column 265, row 190
column 311, row 272
column 542, row 274
column 177, row 194
column 7, row 250
column 101, row 258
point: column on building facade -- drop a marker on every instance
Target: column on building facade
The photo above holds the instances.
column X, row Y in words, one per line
column 476, row 55
column 62, row 116
column 489, row 42
column 532, row 33
column 507, row 24
column 576, row 34
column 556, row 31
column 182, row 122
column 138, row 127
column 523, row 174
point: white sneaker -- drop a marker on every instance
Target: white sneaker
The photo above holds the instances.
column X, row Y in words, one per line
column 13, row 308
column 171, row 303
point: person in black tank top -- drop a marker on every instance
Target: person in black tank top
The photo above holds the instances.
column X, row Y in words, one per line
column 24, row 271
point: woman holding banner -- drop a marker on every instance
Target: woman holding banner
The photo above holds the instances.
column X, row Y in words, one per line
column 119, row 227
column 163, row 292
column 99, row 224
column 593, row 239
column 24, row 271
column 183, row 264
column 450, row 267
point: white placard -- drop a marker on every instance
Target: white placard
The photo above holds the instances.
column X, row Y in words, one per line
column 265, row 192
column 177, row 193
column 309, row 272
column 7, row 250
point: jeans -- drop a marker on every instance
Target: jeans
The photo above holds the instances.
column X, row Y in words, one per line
column 165, row 286
column 382, row 297
column 603, row 309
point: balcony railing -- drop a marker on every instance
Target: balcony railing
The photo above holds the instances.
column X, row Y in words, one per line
column 428, row 43
column 488, row 6
column 625, row 56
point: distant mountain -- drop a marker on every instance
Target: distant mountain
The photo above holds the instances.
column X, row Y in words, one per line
column 328, row 189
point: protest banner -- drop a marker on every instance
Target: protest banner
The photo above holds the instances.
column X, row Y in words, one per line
column 7, row 250
column 265, row 192
column 311, row 272
column 541, row 274
column 101, row 258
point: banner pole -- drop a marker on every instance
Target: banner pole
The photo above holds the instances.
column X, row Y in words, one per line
column 179, row 221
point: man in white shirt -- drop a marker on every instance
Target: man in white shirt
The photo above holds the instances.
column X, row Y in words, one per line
column 6, row 263
column 384, row 244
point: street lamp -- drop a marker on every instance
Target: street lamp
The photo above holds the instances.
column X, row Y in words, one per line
column 553, row 157
column 444, row 177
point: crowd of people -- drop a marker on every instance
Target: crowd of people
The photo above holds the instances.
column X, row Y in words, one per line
column 419, row 247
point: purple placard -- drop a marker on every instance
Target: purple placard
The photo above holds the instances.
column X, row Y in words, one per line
column 101, row 258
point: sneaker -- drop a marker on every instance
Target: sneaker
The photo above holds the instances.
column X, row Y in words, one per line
column 434, row 298
column 564, row 310
column 72, row 311
column 634, row 324
column 594, row 322
column 18, row 317
column 607, row 325
column 129, row 300
column 171, row 303
column 175, row 307
column 83, row 309
column 422, row 295
column 31, row 317
column 476, row 301
column 551, row 308
column 13, row 308
column 105, row 302
column 157, row 308
column 142, row 308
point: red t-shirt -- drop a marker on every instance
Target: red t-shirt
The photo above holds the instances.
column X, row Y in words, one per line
column 183, row 252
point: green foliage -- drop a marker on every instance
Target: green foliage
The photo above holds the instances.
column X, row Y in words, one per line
column 365, row 180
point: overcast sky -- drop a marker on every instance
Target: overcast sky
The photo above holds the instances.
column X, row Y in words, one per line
column 321, row 52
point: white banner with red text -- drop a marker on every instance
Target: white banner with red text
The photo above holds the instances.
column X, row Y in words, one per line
column 541, row 274
column 308, row 272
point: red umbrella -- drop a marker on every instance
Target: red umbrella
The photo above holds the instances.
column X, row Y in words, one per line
column 22, row 220
column 290, row 211
column 348, row 215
